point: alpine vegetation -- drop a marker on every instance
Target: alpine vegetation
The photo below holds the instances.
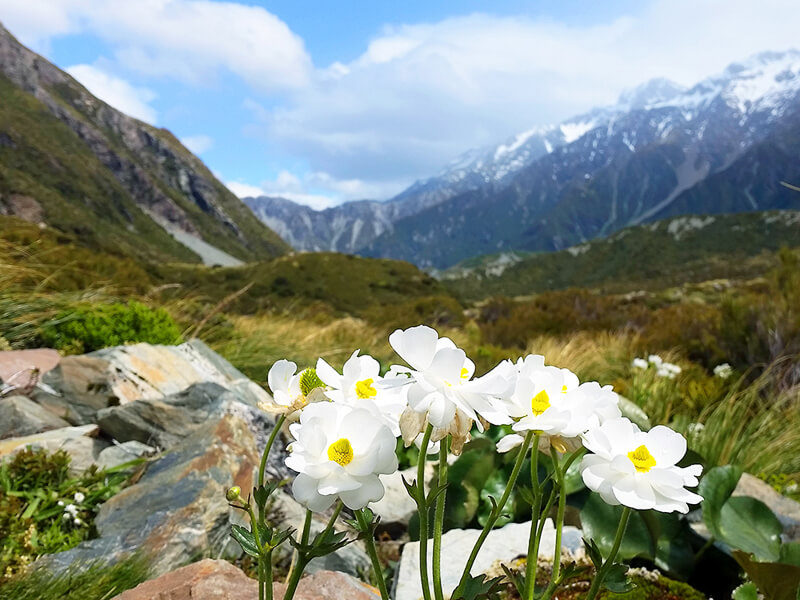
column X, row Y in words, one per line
column 344, row 429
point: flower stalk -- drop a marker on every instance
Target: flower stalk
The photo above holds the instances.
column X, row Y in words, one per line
column 422, row 506
column 438, row 521
column 369, row 541
column 609, row 562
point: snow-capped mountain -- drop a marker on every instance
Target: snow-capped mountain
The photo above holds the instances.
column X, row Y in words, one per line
column 661, row 150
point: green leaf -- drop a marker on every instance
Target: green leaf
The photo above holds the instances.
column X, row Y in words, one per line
column 746, row 591
column 634, row 413
column 716, row 487
column 245, row 539
column 593, row 552
column 790, row 554
column 573, row 481
column 480, row 587
column 616, row 579
column 600, row 521
column 748, row 524
column 777, row 581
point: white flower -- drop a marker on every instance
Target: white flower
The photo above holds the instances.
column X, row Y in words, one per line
column 668, row 370
column 60, row 503
column 723, row 371
column 338, row 453
column 639, row 469
column 79, row 497
column 284, row 381
column 695, row 428
column 77, row 522
column 551, row 401
column 442, row 389
column 640, row 363
column 359, row 385
column 655, row 359
column 71, row 509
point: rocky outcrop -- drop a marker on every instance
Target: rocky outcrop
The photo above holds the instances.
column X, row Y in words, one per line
column 20, row 416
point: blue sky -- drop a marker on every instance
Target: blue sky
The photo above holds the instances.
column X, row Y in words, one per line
column 324, row 101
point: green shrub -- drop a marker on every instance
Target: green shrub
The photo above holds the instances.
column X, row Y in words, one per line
column 32, row 522
column 89, row 328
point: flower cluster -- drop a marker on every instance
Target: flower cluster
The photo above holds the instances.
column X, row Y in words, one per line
column 723, row 371
column 348, row 425
column 70, row 513
column 663, row 368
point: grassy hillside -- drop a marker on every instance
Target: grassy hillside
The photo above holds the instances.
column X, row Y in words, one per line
column 653, row 256
column 75, row 163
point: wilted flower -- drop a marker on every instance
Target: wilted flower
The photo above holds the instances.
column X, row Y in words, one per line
column 338, row 453
column 639, row 469
column 441, row 389
column 640, row 363
column 551, row 401
column 359, row 386
column 723, row 371
column 286, row 385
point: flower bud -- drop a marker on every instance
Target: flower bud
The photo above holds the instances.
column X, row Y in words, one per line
column 233, row 493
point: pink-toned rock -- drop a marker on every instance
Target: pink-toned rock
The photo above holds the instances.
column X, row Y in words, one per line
column 205, row 580
column 23, row 368
column 329, row 585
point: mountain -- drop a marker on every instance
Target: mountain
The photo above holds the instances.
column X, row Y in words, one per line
column 656, row 255
column 722, row 145
column 72, row 162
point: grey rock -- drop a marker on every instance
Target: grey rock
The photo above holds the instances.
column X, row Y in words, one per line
column 396, row 506
column 20, row 416
column 84, row 385
column 119, row 454
column 504, row 545
column 81, row 443
column 177, row 511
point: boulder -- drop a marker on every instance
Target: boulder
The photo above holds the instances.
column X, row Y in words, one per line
column 205, row 580
column 177, row 510
column 329, row 585
column 119, row 454
column 20, row 416
column 396, row 507
column 22, row 369
column 504, row 544
column 83, row 385
column 81, row 443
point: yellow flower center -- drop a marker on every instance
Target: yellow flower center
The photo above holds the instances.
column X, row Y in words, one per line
column 564, row 389
column 365, row 389
column 341, row 452
column 464, row 373
column 540, row 403
column 642, row 459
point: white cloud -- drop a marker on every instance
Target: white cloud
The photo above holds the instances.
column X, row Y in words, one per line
column 244, row 190
column 197, row 144
column 421, row 94
column 117, row 92
column 185, row 39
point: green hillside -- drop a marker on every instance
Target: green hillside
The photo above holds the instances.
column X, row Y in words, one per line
column 657, row 255
column 117, row 184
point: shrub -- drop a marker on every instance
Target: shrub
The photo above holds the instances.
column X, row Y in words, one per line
column 89, row 328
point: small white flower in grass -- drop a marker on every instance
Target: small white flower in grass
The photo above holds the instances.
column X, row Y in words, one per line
column 79, row 497
column 723, row 371
column 441, row 389
column 338, row 453
column 655, row 359
column 639, row 469
column 77, row 522
column 359, row 385
column 640, row 363
column 60, row 503
column 668, row 370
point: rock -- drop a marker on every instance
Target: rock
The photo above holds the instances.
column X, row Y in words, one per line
column 205, row 580
column 123, row 374
column 177, row 510
column 80, row 442
column 20, row 416
column 164, row 422
column 396, row 506
column 786, row 509
column 329, row 585
column 22, row 369
column 504, row 544
column 119, row 454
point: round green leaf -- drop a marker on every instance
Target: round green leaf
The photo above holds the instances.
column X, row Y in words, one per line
column 599, row 522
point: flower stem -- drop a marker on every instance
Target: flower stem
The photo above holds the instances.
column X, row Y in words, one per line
column 303, row 540
column 494, row 515
column 438, row 522
column 534, row 537
column 373, row 554
column 263, row 466
column 603, row 570
column 422, row 509
column 302, row 560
